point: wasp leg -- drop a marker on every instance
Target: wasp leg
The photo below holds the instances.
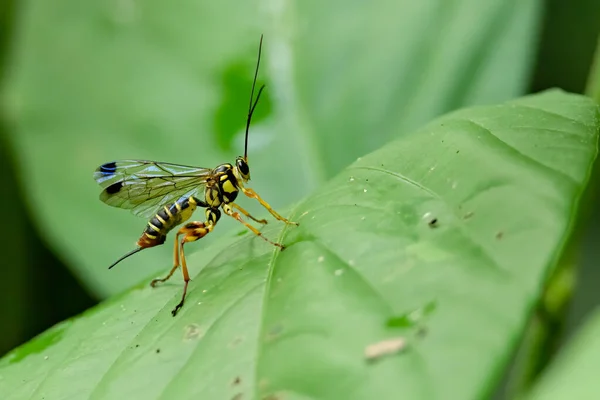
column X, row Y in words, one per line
column 247, row 214
column 253, row 195
column 175, row 263
column 235, row 215
column 193, row 231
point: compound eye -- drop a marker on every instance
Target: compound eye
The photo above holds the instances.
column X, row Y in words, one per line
column 243, row 167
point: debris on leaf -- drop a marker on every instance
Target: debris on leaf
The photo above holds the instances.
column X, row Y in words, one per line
column 192, row 331
column 384, row 348
column 236, row 342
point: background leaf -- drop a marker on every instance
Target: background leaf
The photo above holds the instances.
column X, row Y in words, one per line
column 447, row 249
column 573, row 373
column 566, row 45
column 95, row 82
column 593, row 85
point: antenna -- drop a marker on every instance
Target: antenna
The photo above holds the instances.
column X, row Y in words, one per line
column 252, row 106
column 132, row 252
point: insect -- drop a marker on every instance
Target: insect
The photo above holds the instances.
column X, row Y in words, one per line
column 168, row 194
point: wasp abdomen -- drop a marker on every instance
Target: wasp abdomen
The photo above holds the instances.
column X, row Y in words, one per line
column 166, row 219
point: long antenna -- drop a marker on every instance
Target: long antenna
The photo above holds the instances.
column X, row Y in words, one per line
column 132, row 252
column 252, row 106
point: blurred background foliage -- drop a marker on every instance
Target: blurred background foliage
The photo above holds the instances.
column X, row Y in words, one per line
column 84, row 83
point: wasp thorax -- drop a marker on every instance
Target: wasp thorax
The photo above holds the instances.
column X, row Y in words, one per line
column 243, row 168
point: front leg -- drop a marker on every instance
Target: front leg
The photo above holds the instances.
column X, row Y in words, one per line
column 227, row 208
column 253, row 195
column 247, row 214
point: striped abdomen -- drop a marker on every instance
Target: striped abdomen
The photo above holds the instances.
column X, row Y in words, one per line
column 166, row 219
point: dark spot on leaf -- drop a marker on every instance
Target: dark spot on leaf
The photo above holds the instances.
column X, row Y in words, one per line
column 274, row 332
column 499, row 235
column 412, row 317
column 399, row 322
column 236, row 381
column 242, row 232
column 42, row 342
column 137, row 345
column 468, row 215
column 236, row 342
column 421, row 332
column 237, row 397
column 433, row 223
column 157, row 351
column 457, row 151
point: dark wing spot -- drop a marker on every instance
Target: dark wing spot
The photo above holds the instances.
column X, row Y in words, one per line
column 108, row 168
column 114, row 188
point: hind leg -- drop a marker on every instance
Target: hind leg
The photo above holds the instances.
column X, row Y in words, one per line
column 175, row 262
column 191, row 232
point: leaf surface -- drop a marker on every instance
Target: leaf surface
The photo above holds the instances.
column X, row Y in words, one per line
column 433, row 248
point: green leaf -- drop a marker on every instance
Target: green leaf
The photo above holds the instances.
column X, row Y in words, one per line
column 426, row 255
column 566, row 43
column 593, row 84
column 92, row 83
column 573, row 374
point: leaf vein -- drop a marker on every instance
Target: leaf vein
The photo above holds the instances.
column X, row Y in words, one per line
column 517, row 152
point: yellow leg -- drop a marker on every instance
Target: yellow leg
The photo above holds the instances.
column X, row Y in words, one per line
column 247, row 214
column 175, row 263
column 235, row 215
column 192, row 231
column 253, row 195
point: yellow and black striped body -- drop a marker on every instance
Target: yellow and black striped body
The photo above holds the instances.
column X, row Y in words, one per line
column 166, row 219
column 223, row 188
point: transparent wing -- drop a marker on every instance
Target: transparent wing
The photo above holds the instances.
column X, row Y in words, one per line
column 144, row 186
